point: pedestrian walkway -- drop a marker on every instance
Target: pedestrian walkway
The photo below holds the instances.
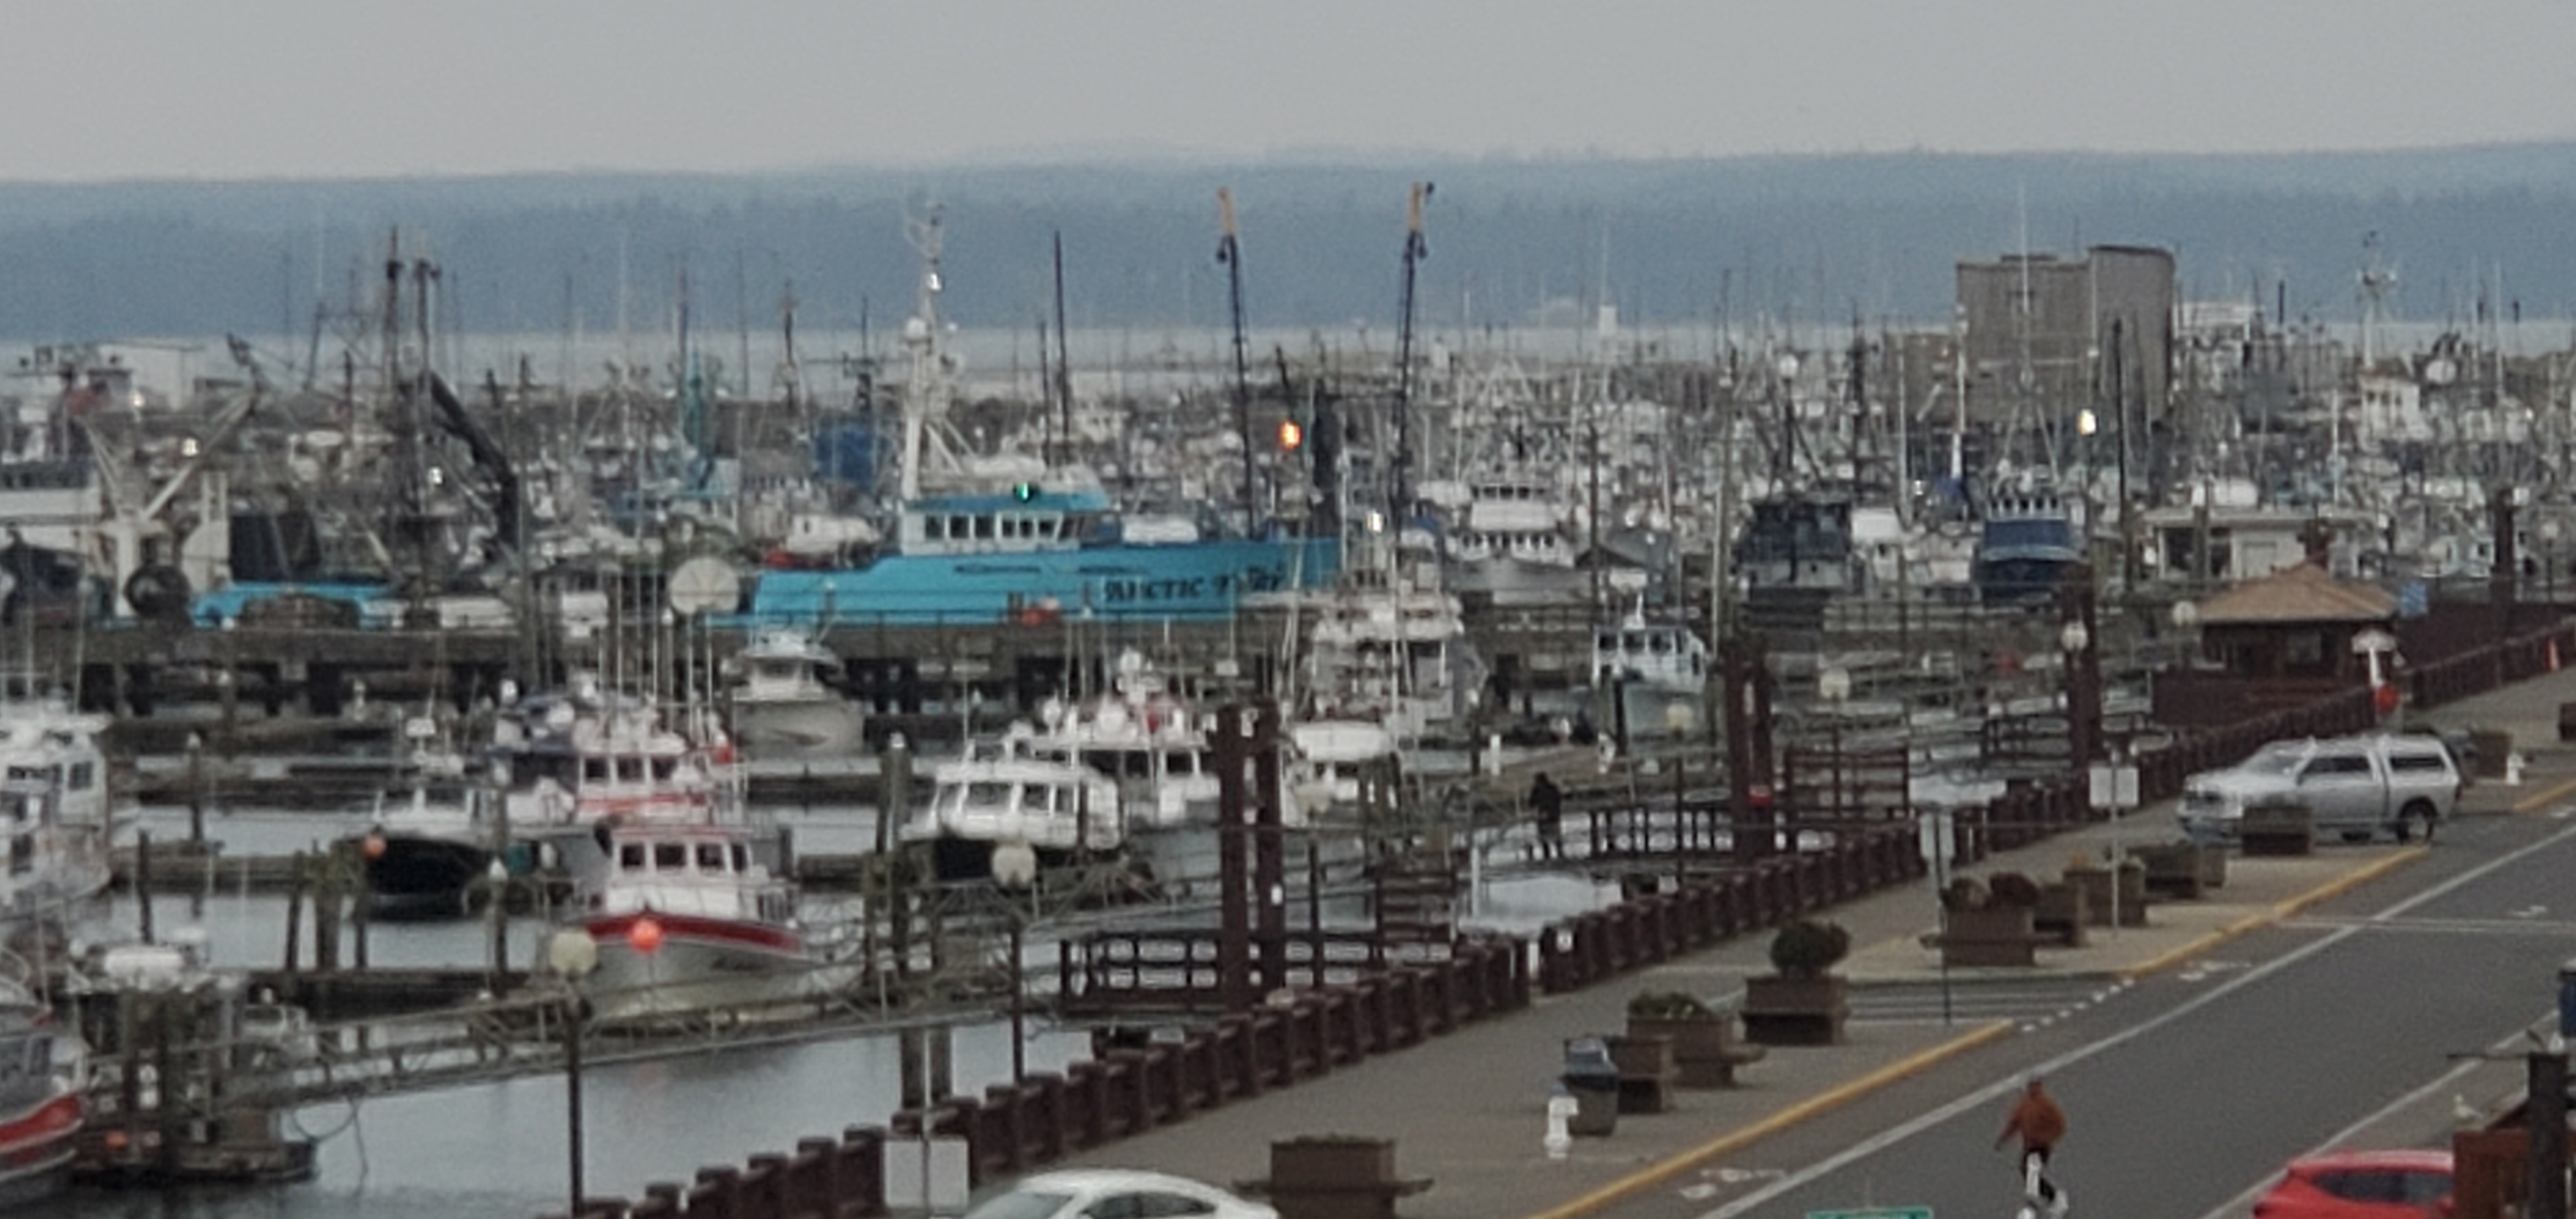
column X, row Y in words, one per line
column 1468, row 1110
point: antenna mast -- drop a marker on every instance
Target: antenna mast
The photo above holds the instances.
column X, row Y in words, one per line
column 1231, row 254
column 1415, row 250
column 1063, row 357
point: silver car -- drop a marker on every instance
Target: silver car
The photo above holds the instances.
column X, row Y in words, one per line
column 1115, row 1193
column 2355, row 787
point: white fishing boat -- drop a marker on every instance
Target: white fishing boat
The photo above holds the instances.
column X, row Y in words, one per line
column 1391, row 649
column 1518, row 518
column 55, row 806
column 693, row 919
column 1002, row 798
column 1332, row 761
column 785, row 705
column 1659, row 671
column 576, row 757
column 1142, row 736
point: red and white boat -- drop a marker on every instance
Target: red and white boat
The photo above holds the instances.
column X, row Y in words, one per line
column 693, row 920
column 42, row 1073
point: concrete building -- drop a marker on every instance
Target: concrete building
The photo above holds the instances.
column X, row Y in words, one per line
column 2040, row 333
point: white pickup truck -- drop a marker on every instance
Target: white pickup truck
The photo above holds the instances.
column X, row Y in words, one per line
column 2355, row 786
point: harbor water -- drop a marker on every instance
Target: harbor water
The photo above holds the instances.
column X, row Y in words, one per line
column 502, row 1149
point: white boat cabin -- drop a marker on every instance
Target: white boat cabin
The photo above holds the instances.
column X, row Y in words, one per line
column 1660, row 654
column 703, row 871
column 1013, row 796
column 1025, row 521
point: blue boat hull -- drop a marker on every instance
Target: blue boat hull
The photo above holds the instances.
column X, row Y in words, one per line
column 1201, row 580
column 218, row 606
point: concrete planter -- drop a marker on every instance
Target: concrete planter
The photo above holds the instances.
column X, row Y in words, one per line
column 1646, row 1073
column 1783, row 1009
column 1705, row 1049
column 1331, row 1162
column 2277, row 829
column 2060, row 917
column 1992, row 936
column 2095, row 886
column 1334, row 1177
column 2185, row 870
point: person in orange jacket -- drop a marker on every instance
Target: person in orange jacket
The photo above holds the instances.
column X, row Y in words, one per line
column 2039, row 1123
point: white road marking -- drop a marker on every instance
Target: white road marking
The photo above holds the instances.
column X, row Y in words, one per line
column 1983, row 1097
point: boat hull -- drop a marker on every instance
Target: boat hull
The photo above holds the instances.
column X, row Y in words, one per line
column 701, row 966
column 423, row 877
column 2022, row 579
column 36, row 1147
column 800, row 729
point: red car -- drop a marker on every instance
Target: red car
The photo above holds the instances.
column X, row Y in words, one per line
column 2362, row 1185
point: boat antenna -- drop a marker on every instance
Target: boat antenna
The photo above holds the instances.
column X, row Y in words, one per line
column 1229, row 252
column 1415, row 250
column 1063, row 359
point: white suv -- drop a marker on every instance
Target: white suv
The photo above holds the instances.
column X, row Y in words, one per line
column 2354, row 786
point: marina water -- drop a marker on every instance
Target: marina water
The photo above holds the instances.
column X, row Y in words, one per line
column 500, row 1149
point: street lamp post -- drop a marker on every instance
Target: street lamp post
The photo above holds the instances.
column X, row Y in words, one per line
column 573, row 955
column 2549, row 560
column 1833, row 685
column 2186, row 621
column 2083, row 693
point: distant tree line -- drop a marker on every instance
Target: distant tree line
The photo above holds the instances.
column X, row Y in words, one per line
column 1799, row 244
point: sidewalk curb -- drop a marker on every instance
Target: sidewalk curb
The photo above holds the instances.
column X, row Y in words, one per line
column 2278, row 912
column 2536, row 800
column 1833, row 1098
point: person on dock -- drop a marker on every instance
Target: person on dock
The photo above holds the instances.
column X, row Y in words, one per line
column 2039, row 1123
column 1549, row 804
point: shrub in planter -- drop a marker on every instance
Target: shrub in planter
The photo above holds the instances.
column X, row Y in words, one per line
column 1808, row 948
column 1965, row 893
column 2012, row 889
column 1668, row 1005
column 1705, row 1051
column 1804, row 1003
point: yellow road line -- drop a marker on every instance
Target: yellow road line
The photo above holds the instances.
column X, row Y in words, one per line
column 1742, row 1136
column 2342, row 883
column 1665, row 1170
column 2545, row 796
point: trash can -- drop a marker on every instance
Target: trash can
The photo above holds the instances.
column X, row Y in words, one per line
column 2488, row 748
column 1593, row 1080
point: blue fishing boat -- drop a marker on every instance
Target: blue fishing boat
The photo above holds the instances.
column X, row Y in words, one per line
column 2029, row 541
column 1036, row 555
column 996, row 541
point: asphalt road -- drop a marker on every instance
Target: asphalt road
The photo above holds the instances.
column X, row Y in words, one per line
column 2365, row 1022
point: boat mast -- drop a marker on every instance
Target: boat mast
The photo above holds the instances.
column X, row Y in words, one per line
column 1400, row 490
column 925, row 404
column 1063, row 357
column 1229, row 252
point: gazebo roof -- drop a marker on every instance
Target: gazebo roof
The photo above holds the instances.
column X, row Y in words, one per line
column 2305, row 593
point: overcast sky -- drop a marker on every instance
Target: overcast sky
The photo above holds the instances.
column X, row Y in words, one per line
column 266, row 88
